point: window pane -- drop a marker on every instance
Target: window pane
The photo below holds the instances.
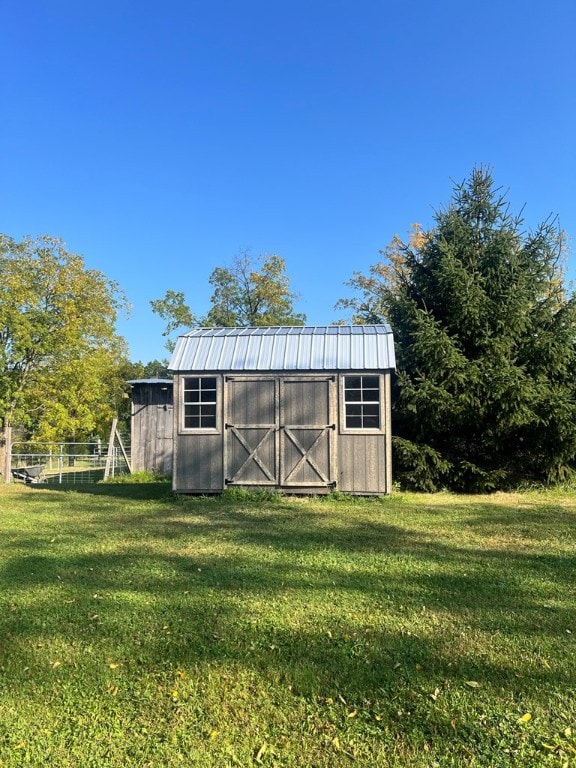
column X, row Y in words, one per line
column 362, row 402
column 191, row 422
column 370, row 382
column 353, row 382
column 200, row 402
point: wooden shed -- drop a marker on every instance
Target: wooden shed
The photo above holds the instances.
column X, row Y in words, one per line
column 299, row 409
column 152, row 425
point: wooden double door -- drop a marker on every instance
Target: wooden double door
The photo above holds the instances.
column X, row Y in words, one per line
column 280, row 431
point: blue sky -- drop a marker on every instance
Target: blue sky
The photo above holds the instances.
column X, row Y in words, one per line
column 160, row 139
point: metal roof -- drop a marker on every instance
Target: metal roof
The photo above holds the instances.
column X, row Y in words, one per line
column 285, row 348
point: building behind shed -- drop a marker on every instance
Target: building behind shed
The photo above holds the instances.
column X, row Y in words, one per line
column 152, row 426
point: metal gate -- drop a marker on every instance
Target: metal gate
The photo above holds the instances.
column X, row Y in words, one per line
column 280, row 431
column 67, row 463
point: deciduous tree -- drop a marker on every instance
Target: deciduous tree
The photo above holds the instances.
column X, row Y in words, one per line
column 58, row 343
column 248, row 293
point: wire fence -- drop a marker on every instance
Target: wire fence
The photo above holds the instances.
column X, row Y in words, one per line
column 67, row 463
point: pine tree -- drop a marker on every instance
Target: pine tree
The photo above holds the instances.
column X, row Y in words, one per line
column 485, row 338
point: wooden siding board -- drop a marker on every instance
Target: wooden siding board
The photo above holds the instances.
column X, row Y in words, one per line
column 362, row 463
column 199, row 464
column 306, row 402
column 388, row 421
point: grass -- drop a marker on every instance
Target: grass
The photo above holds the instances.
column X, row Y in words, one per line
column 140, row 629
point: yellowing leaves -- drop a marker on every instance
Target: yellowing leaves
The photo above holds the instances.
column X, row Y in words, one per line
column 525, row 718
column 60, row 341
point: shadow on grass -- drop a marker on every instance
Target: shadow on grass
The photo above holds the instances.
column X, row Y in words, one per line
column 123, row 490
column 382, row 608
column 184, row 610
column 273, row 588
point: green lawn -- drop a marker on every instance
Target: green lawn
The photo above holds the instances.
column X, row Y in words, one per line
column 139, row 629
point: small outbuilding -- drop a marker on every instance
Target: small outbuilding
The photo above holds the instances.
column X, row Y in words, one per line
column 298, row 409
column 152, row 425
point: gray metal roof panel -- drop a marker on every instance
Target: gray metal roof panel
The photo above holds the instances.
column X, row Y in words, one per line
column 285, row 348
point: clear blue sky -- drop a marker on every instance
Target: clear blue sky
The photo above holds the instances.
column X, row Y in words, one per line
column 160, row 139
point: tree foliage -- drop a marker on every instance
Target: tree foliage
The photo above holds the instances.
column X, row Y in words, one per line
column 58, row 346
column 172, row 308
column 485, row 338
column 153, row 369
column 248, row 293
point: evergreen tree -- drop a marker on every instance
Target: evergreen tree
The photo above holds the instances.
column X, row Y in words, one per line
column 485, row 338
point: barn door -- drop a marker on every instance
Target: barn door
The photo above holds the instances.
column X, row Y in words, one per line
column 307, row 432
column 251, row 440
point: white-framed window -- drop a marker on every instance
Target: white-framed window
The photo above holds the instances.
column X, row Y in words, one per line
column 362, row 402
column 200, row 403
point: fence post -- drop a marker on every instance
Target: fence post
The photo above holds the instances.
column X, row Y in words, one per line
column 110, row 454
column 6, row 446
column 60, row 462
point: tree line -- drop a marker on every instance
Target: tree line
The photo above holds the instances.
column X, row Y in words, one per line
column 484, row 395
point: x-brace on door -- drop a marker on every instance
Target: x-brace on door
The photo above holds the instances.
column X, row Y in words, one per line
column 307, row 432
column 280, row 431
column 251, row 439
